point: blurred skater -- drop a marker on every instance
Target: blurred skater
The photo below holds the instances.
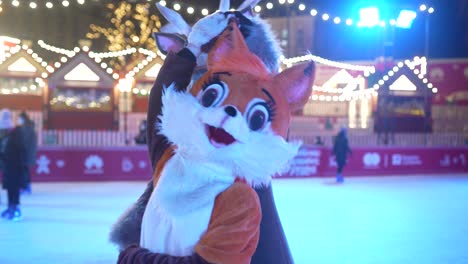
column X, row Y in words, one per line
column 6, row 124
column 341, row 150
column 27, row 129
column 16, row 169
column 140, row 139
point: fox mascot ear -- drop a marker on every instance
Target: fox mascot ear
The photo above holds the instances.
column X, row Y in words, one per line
column 168, row 42
column 231, row 50
column 230, row 44
column 296, row 83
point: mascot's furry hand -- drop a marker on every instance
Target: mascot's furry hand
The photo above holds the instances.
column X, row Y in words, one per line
column 205, row 30
column 257, row 33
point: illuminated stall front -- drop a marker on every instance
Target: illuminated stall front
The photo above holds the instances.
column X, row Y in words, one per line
column 340, row 96
column 144, row 74
column 21, row 80
column 450, row 104
column 405, row 98
column 82, row 96
column 134, row 99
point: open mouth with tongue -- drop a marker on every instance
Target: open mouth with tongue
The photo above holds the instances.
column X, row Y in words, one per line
column 219, row 137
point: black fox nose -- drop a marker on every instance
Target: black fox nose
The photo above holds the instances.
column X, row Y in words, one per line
column 231, row 111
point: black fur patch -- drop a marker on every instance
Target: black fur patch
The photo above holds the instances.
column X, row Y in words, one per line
column 126, row 231
column 309, row 69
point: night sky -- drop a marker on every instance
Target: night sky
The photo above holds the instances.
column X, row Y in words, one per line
column 448, row 32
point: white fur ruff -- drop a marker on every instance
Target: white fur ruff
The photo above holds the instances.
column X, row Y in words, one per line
column 180, row 206
column 259, row 156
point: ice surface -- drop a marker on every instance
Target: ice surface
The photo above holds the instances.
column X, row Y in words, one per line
column 411, row 219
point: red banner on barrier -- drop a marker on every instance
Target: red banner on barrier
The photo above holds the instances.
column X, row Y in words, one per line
column 92, row 164
column 132, row 163
column 380, row 161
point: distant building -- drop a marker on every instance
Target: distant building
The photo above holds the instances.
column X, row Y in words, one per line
column 295, row 33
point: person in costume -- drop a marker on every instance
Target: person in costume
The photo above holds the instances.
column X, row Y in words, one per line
column 238, row 117
column 272, row 246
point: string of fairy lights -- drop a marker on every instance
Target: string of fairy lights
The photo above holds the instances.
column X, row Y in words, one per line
column 288, row 62
column 330, row 94
column 23, row 85
column 366, row 69
column 191, row 10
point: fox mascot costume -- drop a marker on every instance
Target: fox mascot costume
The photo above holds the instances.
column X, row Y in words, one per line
column 214, row 141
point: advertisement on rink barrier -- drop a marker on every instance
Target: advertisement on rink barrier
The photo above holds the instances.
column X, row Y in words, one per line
column 132, row 163
column 381, row 161
column 92, row 164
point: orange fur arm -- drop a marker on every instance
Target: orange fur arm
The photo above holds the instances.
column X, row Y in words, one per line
column 233, row 231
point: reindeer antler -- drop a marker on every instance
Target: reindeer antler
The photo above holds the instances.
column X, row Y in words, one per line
column 224, row 5
column 247, row 5
column 176, row 22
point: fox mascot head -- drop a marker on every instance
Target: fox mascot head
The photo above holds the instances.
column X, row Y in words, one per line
column 237, row 112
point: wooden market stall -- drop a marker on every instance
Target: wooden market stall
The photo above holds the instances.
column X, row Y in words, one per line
column 82, row 96
column 404, row 101
column 22, row 86
column 145, row 74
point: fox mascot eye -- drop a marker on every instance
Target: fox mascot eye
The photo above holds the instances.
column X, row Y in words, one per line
column 258, row 116
column 213, row 94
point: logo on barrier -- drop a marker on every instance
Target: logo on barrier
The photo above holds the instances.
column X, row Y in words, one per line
column 43, row 165
column 127, row 165
column 142, row 164
column 60, row 163
column 406, row 160
column 455, row 160
column 371, row 159
column 94, row 165
column 396, row 159
column 304, row 164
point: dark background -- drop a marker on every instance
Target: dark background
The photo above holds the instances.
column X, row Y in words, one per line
column 448, row 33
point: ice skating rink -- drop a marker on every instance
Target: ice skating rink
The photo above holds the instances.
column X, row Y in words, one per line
column 378, row 220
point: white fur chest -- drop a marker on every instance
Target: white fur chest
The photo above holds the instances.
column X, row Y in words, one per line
column 180, row 207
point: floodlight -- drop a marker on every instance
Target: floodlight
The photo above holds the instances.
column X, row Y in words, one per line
column 405, row 19
column 369, row 17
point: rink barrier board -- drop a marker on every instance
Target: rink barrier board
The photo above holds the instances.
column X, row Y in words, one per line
column 131, row 163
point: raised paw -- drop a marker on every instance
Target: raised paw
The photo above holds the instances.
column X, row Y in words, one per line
column 208, row 28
